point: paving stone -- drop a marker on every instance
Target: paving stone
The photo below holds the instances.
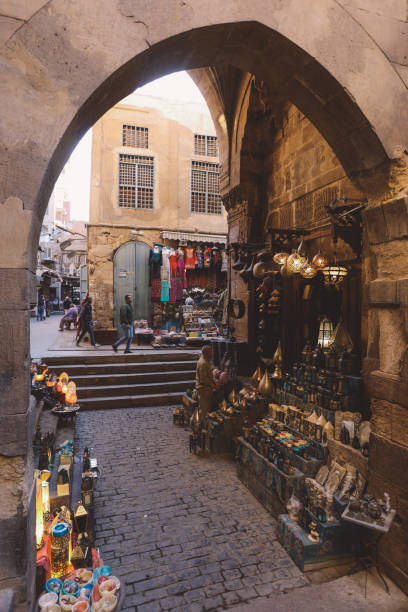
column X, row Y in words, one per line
column 182, row 532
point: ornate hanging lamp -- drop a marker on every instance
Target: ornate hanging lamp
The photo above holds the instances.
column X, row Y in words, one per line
column 308, row 270
column 325, row 332
column 296, row 261
column 319, row 261
column 334, row 275
column 281, row 258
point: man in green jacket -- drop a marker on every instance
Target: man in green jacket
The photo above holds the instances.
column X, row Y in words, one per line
column 126, row 321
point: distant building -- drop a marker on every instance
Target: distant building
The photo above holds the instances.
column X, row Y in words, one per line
column 154, row 179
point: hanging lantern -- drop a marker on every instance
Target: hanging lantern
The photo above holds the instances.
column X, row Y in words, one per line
column 64, row 388
column 296, row 261
column 334, row 275
column 63, row 377
column 281, row 258
column 308, row 270
column 325, row 332
column 71, row 398
column 39, row 377
column 285, row 273
column 39, row 514
column 319, row 261
column 341, row 339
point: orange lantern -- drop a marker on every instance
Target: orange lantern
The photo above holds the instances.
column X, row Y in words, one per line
column 64, row 388
column 63, row 377
column 71, row 398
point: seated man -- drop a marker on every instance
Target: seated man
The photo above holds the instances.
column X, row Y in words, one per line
column 69, row 317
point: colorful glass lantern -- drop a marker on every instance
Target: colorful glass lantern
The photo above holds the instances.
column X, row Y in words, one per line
column 261, row 269
column 319, row 261
column 325, row 332
column 81, row 518
column 334, row 275
column 280, row 258
column 308, row 270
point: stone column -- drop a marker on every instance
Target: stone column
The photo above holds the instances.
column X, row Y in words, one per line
column 386, row 371
column 17, row 412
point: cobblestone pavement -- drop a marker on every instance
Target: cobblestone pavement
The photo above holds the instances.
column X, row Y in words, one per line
column 182, row 531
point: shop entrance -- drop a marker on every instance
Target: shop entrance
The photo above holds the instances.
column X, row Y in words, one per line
column 131, row 275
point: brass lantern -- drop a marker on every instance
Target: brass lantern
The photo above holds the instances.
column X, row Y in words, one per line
column 81, row 518
column 280, row 258
column 296, row 261
column 308, row 270
column 325, row 332
column 319, row 261
column 278, row 360
column 334, row 276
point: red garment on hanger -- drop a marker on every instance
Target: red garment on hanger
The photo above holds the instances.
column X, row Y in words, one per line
column 190, row 259
column 173, row 264
column 207, row 257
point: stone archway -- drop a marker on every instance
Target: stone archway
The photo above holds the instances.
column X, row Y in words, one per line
column 65, row 63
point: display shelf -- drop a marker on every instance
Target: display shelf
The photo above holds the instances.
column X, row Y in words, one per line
column 347, row 454
column 338, row 543
column 266, row 481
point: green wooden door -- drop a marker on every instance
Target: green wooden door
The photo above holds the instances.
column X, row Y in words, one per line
column 131, row 275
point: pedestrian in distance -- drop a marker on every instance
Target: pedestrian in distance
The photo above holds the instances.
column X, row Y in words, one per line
column 126, row 321
column 87, row 323
column 41, row 308
column 66, row 303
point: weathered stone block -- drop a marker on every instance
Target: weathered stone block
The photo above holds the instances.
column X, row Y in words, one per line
column 402, row 292
column 399, row 421
column 389, row 460
column 7, row 600
column 382, row 292
column 13, row 440
column 382, row 417
column 374, row 221
column 396, row 218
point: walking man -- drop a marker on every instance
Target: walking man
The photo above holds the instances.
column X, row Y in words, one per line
column 86, row 323
column 40, row 308
column 126, row 321
column 204, row 382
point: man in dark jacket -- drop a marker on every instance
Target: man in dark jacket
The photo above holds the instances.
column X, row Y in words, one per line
column 87, row 323
column 126, row 321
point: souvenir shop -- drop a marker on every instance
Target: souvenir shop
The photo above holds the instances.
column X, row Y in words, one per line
column 299, row 423
column 70, row 574
column 187, row 275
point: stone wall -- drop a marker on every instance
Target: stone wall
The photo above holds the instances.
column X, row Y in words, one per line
column 386, row 369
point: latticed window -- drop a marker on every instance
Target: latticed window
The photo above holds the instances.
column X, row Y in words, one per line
column 135, row 136
column 136, row 181
column 205, row 145
column 205, row 196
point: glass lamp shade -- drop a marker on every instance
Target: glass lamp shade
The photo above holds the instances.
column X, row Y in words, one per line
column 295, row 262
column 280, row 258
column 45, row 497
column 285, row 273
column 334, row 275
column 325, row 332
column 308, row 270
column 39, row 514
column 319, row 261
column 64, row 389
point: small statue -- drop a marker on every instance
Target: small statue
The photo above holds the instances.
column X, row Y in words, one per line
column 294, row 507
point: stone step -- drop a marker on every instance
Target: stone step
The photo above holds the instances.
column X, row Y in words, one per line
column 134, row 378
column 98, row 369
column 129, row 401
column 139, row 357
column 133, row 390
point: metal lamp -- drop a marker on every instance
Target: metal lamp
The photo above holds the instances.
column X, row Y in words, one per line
column 334, row 276
column 325, row 332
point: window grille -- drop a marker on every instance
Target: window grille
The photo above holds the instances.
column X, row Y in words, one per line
column 205, row 145
column 136, row 181
column 205, row 197
column 135, row 136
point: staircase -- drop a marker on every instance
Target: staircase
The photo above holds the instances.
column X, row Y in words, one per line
column 137, row 380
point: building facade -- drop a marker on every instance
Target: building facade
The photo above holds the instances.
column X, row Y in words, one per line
column 154, row 179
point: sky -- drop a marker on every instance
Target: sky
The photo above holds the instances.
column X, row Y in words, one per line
column 177, row 86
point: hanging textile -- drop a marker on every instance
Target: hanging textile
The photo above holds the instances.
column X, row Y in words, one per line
column 207, row 257
column 156, row 290
column 173, row 265
column 164, row 274
column 155, row 262
column 179, row 289
column 173, row 290
column 190, row 259
column 200, row 258
column 165, row 291
column 180, row 267
column 165, row 259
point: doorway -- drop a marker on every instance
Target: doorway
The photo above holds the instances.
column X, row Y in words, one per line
column 131, row 276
